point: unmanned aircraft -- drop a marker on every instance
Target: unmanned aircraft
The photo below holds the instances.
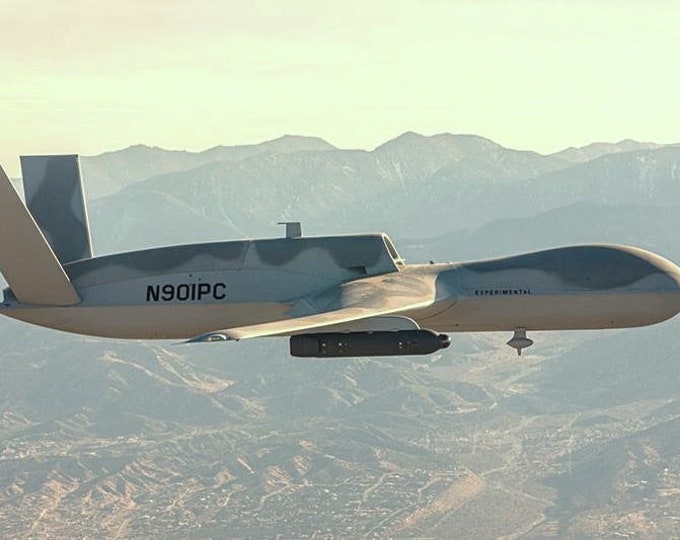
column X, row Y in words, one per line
column 335, row 296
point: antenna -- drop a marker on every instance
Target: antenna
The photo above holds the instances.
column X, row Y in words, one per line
column 293, row 228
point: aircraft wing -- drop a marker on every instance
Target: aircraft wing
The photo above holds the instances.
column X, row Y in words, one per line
column 366, row 304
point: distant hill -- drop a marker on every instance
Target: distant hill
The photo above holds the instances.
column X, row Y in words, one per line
column 595, row 150
column 107, row 173
column 646, row 226
column 413, row 186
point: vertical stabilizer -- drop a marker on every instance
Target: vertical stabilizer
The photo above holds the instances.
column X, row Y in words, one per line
column 26, row 260
column 54, row 195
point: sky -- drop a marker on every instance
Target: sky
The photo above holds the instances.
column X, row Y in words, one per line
column 88, row 77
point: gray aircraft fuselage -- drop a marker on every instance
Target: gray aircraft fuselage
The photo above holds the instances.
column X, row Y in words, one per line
column 183, row 291
column 335, row 295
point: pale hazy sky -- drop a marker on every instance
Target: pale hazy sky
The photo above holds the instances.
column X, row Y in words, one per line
column 84, row 77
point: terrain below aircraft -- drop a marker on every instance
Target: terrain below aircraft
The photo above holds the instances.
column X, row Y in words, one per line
column 334, row 296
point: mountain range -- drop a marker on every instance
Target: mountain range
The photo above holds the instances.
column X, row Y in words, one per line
column 412, row 186
column 577, row 438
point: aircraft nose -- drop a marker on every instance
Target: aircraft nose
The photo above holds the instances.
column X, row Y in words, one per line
column 669, row 284
column 674, row 277
column 670, row 271
column 656, row 271
column 657, row 290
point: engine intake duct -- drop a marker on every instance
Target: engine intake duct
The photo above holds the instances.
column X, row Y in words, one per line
column 343, row 344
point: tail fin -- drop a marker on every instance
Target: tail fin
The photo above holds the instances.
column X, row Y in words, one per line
column 54, row 195
column 26, row 260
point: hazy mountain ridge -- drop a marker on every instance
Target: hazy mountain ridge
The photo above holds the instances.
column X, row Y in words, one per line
column 438, row 183
column 649, row 227
column 111, row 171
column 595, row 150
column 643, row 177
column 414, row 157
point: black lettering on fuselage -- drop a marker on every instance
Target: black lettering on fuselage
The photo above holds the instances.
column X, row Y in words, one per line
column 503, row 292
column 183, row 292
column 219, row 295
column 153, row 293
column 203, row 290
column 168, row 292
